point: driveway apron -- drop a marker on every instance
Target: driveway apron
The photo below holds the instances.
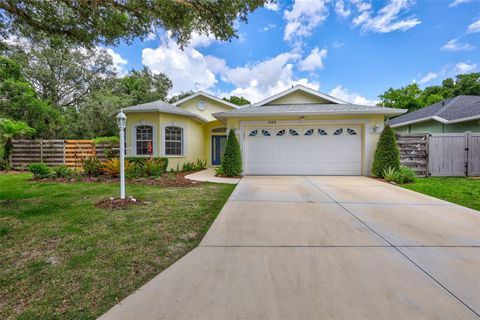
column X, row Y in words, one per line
column 322, row 248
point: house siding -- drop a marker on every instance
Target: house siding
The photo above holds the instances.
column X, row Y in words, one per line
column 432, row 126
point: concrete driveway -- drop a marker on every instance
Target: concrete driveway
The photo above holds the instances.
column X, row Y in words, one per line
column 323, row 248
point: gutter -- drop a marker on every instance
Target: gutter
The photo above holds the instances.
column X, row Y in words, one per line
column 192, row 115
column 436, row 118
column 219, row 115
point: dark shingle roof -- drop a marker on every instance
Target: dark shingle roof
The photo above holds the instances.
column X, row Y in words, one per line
column 448, row 109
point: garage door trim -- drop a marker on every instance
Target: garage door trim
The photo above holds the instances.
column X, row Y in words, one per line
column 277, row 124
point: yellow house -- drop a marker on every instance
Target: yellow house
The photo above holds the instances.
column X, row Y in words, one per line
column 295, row 132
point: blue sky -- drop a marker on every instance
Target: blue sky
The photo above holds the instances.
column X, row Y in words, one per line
column 352, row 49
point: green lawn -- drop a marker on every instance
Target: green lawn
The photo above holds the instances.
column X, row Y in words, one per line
column 62, row 258
column 463, row 191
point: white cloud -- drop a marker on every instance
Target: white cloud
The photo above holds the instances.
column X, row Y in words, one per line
column 340, row 9
column 272, row 6
column 457, row 2
column 269, row 27
column 427, row 78
column 388, row 18
column 304, row 16
column 201, row 40
column 119, row 62
column 262, row 79
column 344, row 94
column 474, row 27
column 454, row 45
column 362, row 6
column 186, row 68
column 464, row 67
column 313, row 61
column 338, row 44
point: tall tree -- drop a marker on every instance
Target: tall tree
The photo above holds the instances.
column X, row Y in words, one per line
column 61, row 73
column 180, row 96
column 19, row 101
column 239, row 101
column 10, row 130
column 144, row 86
column 403, row 98
column 93, row 22
column 412, row 97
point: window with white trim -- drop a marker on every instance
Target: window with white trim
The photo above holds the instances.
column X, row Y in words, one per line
column 338, row 132
column 144, row 140
column 293, row 132
column 351, row 132
column 280, row 133
column 173, row 141
column 265, row 133
column 309, row 132
column 253, row 133
column 322, row 132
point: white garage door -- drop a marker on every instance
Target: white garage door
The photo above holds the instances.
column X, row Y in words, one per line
column 312, row 150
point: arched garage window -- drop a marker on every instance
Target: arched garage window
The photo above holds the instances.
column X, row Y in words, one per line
column 173, row 141
column 144, row 140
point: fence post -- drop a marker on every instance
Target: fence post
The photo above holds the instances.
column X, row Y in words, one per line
column 427, row 152
column 467, row 149
column 41, row 150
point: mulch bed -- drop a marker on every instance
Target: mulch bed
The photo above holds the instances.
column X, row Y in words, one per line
column 118, row 203
column 167, row 180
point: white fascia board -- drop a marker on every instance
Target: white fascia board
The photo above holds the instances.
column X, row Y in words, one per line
column 299, row 114
column 406, row 123
column 304, row 89
column 465, row 119
column 196, row 116
column 201, row 93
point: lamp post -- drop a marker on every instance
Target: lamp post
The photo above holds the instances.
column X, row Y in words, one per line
column 122, row 121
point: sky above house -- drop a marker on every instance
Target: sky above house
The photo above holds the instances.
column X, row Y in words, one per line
column 351, row 49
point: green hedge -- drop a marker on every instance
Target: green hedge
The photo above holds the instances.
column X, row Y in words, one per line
column 232, row 157
column 387, row 155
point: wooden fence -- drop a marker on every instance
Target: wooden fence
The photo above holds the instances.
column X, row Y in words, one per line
column 441, row 154
column 56, row 152
column 414, row 152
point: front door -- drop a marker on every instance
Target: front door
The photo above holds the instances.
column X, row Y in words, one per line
column 218, row 146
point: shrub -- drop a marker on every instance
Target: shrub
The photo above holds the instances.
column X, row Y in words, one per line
column 389, row 174
column 232, row 158
column 62, row 171
column 39, row 170
column 197, row 165
column 92, row 166
column 154, row 166
column 404, row 175
column 112, row 167
column 112, row 140
column 387, row 154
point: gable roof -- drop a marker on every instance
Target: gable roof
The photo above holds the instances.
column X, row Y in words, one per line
column 201, row 93
column 307, row 109
column 451, row 110
column 299, row 87
column 162, row 106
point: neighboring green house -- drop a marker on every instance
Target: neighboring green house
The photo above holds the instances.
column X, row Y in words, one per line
column 453, row 115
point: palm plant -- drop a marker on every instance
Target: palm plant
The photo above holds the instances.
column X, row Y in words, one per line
column 112, row 167
column 10, row 130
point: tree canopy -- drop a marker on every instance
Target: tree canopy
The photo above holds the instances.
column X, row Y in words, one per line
column 92, row 22
column 412, row 97
column 239, row 101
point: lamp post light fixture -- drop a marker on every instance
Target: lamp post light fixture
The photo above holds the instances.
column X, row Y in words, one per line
column 122, row 121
